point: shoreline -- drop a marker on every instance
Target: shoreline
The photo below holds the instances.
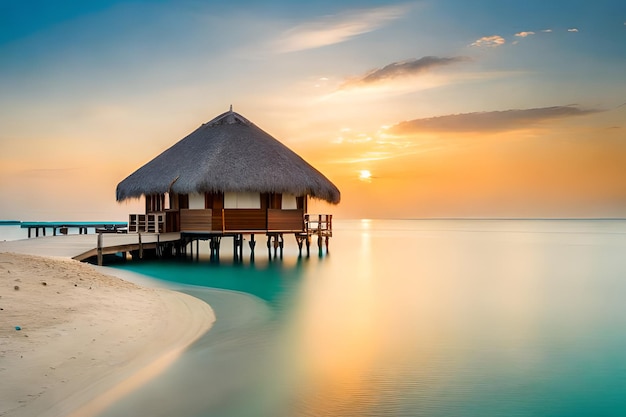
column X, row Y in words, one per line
column 86, row 337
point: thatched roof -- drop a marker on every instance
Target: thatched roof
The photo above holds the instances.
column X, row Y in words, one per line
column 228, row 154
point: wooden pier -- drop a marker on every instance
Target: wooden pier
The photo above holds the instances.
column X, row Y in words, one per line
column 96, row 247
column 64, row 227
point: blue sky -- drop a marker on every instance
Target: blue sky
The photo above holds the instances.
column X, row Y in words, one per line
column 539, row 82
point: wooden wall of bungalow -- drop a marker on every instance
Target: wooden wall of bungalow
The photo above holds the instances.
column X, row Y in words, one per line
column 229, row 212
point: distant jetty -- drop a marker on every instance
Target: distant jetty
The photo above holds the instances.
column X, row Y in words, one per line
column 63, row 227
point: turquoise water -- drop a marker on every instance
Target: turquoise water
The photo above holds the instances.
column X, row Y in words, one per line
column 407, row 318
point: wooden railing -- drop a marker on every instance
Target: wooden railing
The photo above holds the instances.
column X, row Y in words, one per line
column 232, row 220
column 319, row 224
column 148, row 223
column 196, row 220
column 285, row 220
column 243, row 219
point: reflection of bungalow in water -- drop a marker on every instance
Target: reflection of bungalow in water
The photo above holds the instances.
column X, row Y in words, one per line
column 229, row 178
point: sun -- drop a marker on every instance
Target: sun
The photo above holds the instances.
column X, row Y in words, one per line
column 365, row 175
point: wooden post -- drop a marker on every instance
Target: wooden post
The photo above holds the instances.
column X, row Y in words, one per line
column 300, row 241
column 140, row 247
column 275, row 245
column 216, row 241
column 99, row 249
column 252, row 244
column 308, row 245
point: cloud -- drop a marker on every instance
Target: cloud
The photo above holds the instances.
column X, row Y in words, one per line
column 524, row 34
column 547, row 30
column 337, row 28
column 572, row 30
column 404, row 68
column 489, row 41
column 493, row 121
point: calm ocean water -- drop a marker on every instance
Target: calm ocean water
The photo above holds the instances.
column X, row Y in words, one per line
column 407, row 318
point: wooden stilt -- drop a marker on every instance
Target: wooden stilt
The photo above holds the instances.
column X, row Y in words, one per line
column 236, row 248
column 140, row 247
column 300, row 240
column 319, row 245
column 214, row 245
column 252, row 244
column 308, row 246
column 99, row 249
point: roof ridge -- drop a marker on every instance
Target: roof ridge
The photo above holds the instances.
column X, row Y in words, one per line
column 229, row 118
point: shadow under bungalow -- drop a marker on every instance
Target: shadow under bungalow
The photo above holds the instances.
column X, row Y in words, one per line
column 230, row 178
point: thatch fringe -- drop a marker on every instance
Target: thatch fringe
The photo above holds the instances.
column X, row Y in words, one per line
column 228, row 154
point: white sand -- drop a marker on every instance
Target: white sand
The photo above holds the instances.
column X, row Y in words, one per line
column 86, row 338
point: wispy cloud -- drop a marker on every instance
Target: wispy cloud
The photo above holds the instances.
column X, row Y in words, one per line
column 489, row 41
column 547, row 30
column 492, row 121
column 524, row 34
column 572, row 30
column 337, row 28
column 402, row 69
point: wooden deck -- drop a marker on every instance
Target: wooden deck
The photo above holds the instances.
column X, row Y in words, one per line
column 95, row 246
column 81, row 247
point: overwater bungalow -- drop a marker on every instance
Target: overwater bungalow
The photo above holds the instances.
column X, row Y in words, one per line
column 230, row 178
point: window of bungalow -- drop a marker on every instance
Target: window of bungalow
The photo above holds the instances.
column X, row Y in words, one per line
column 242, row 200
column 289, row 202
column 154, row 203
column 196, row 201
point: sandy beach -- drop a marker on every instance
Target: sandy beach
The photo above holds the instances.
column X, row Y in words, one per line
column 73, row 340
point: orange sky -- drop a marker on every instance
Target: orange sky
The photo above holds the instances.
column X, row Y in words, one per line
column 455, row 111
